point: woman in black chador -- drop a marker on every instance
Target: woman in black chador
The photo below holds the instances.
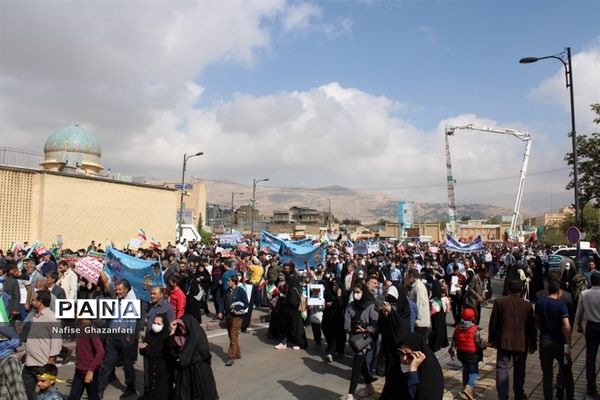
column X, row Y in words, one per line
column 194, row 379
column 155, row 349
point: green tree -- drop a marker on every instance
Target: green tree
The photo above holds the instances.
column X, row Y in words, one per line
column 591, row 223
column 349, row 221
column 588, row 163
column 205, row 235
column 199, row 222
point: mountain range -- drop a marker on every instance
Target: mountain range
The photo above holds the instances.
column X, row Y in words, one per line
column 346, row 203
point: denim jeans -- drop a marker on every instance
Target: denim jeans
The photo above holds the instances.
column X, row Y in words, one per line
column 592, row 341
column 502, row 367
column 470, row 374
column 550, row 351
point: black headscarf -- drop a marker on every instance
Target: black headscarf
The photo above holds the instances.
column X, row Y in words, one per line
column 436, row 289
column 196, row 348
column 157, row 340
column 431, row 378
column 365, row 301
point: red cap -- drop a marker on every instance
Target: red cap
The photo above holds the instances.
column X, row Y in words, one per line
column 468, row 314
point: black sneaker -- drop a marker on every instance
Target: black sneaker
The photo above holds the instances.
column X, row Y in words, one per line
column 130, row 391
column 229, row 363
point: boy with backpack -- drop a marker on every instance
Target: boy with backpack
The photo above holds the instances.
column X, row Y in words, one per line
column 468, row 346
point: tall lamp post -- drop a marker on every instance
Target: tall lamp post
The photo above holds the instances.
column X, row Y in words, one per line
column 185, row 158
column 569, row 81
column 232, row 211
column 254, row 183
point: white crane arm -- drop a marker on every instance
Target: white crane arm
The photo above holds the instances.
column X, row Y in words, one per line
column 524, row 136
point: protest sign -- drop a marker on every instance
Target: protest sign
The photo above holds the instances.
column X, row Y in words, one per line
column 88, row 268
column 316, row 295
column 135, row 244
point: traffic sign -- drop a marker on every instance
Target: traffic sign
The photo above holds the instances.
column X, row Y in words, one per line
column 185, row 186
column 573, row 235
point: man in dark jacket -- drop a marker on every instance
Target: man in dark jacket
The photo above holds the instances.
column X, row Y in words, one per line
column 233, row 308
column 512, row 332
column 10, row 287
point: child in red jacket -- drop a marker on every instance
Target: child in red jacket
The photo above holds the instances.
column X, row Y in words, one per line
column 468, row 346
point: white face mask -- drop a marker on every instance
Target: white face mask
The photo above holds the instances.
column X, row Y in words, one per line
column 357, row 296
column 157, row 328
column 405, row 368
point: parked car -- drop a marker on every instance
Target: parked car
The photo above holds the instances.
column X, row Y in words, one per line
column 571, row 252
column 557, row 262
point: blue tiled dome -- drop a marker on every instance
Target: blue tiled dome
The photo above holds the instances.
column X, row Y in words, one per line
column 73, row 139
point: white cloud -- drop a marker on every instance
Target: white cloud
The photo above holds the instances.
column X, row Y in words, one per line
column 129, row 76
column 338, row 135
column 301, row 16
column 586, row 88
column 428, row 32
column 305, row 18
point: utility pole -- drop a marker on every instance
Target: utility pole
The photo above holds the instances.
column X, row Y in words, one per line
column 254, row 183
column 185, row 158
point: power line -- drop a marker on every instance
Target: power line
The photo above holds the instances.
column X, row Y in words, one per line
column 415, row 187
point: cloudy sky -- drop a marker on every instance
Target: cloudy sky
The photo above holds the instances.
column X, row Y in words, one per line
column 308, row 94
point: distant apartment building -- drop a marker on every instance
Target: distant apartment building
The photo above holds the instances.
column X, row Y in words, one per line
column 552, row 219
column 302, row 215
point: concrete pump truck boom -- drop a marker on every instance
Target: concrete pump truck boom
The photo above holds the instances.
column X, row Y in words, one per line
column 515, row 230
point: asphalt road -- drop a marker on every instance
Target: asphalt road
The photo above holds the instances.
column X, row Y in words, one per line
column 266, row 373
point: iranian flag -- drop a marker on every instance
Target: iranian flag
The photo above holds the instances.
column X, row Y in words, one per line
column 154, row 243
column 14, row 247
column 142, row 235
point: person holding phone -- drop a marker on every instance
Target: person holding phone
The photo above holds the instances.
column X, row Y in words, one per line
column 421, row 374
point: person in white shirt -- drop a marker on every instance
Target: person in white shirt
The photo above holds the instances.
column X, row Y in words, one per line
column 588, row 308
column 418, row 294
column 67, row 280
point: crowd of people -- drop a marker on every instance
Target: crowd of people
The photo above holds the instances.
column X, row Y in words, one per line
column 388, row 309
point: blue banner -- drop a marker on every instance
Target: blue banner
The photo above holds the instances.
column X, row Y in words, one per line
column 302, row 253
column 303, row 256
column 274, row 243
column 454, row 245
column 142, row 274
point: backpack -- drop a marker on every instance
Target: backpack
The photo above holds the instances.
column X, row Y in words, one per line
column 302, row 307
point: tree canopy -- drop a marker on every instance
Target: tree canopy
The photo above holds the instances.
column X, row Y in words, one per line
column 588, row 158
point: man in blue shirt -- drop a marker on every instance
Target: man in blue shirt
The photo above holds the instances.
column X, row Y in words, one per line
column 552, row 318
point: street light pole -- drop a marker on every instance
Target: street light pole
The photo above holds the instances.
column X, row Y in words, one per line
column 232, row 211
column 254, row 183
column 569, row 82
column 185, row 158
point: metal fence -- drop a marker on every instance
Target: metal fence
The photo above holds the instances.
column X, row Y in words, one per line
column 14, row 157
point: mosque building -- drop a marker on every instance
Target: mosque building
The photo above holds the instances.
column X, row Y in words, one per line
column 71, row 199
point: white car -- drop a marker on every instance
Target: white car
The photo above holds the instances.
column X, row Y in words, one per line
column 571, row 252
